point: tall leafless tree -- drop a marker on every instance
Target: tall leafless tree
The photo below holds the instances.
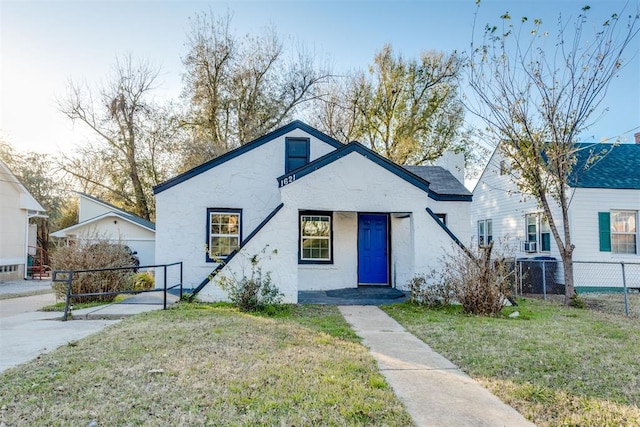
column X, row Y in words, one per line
column 133, row 137
column 238, row 89
column 537, row 93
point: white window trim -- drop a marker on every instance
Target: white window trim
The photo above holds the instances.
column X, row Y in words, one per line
column 624, row 233
column 211, row 236
column 538, row 223
column 327, row 238
column 486, row 236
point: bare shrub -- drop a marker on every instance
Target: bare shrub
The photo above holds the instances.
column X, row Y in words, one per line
column 424, row 291
column 253, row 291
column 476, row 281
column 94, row 253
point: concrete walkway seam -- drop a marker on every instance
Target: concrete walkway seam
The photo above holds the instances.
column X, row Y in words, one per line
column 434, row 390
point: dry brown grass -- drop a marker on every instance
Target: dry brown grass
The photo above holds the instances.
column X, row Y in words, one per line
column 555, row 365
column 203, row 365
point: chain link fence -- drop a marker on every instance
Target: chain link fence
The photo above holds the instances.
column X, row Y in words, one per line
column 613, row 287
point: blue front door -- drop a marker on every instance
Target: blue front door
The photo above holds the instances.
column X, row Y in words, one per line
column 373, row 261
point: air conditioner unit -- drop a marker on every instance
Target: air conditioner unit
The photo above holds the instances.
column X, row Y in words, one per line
column 529, row 247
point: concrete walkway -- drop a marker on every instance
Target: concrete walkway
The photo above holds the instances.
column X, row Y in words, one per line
column 25, row 332
column 434, row 390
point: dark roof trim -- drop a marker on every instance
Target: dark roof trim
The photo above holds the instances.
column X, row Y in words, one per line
column 448, row 231
column 450, row 197
column 121, row 212
column 348, row 149
column 297, row 124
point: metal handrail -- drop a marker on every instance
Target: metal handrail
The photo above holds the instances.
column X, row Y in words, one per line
column 69, row 280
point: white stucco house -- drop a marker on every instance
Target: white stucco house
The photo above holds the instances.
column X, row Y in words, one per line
column 97, row 218
column 325, row 215
column 603, row 214
column 17, row 234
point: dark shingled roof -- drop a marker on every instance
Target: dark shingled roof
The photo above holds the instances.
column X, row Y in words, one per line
column 607, row 166
column 440, row 180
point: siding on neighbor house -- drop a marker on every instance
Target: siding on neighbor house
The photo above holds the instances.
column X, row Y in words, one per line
column 89, row 209
column 112, row 227
column 13, row 222
column 585, row 205
column 15, row 203
column 497, row 198
column 247, row 182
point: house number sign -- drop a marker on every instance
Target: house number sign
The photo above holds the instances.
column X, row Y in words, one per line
column 287, row 180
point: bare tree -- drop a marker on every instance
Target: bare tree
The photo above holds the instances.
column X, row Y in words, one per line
column 406, row 110
column 336, row 111
column 239, row 89
column 537, row 94
column 133, row 135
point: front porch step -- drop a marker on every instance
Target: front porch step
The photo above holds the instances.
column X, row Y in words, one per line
column 354, row 296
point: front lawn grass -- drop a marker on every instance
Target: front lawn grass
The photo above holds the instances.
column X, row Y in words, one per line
column 59, row 306
column 199, row 364
column 555, row 365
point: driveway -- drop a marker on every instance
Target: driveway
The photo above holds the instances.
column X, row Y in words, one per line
column 25, row 332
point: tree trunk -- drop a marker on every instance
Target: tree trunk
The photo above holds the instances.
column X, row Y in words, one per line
column 43, row 238
column 569, row 289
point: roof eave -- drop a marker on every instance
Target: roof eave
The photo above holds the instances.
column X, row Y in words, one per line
column 297, row 124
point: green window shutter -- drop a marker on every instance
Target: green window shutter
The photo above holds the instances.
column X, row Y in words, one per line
column 604, row 225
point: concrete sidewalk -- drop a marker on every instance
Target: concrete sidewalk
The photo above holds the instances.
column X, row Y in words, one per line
column 434, row 390
column 25, row 332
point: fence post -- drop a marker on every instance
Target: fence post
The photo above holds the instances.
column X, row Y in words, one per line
column 68, row 296
column 180, row 280
column 520, row 276
column 544, row 281
column 165, row 287
column 626, row 296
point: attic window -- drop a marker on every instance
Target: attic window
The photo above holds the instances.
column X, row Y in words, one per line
column 296, row 153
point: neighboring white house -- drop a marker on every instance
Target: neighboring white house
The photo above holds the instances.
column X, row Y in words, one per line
column 101, row 219
column 17, row 235
column 326, row 215
column 603, row 213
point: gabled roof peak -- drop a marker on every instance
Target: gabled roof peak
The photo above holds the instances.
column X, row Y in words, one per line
column 403, row 173
column 296, row 124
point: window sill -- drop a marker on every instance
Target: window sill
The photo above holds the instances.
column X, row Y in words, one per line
column 314, row 262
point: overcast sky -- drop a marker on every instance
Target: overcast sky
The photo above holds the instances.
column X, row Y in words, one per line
column 43, row 44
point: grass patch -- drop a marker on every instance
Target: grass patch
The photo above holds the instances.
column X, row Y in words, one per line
column 555, row 365
column 59, row 306
column 613, row 302
column 199, row 364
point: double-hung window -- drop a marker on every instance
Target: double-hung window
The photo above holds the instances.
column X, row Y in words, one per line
column 538, row 233
column 223, row 232
column 624, row 232
column 315, row 237
column 485, row 232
